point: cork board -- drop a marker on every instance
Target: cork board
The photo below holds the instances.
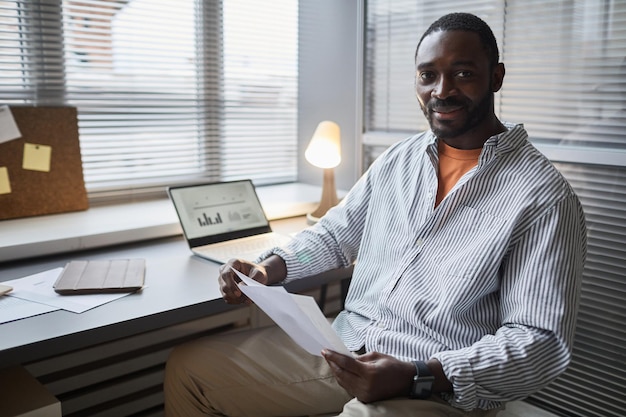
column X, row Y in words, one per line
column 42, row 170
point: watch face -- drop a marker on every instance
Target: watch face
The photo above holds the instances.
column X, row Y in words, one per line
column 422, row 389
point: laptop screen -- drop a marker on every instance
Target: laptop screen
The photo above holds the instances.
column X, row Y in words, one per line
column 218, row 211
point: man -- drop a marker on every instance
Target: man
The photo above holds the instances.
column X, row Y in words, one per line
column 469, row 248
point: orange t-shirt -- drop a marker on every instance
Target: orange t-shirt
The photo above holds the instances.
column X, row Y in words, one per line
column 453, row 164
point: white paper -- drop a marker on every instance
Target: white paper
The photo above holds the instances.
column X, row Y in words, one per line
column 298, row 315
column 12, row 308
column 38, row 288
column 8, row 127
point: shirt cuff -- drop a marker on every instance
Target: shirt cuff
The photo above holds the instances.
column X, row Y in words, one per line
column 293, row 262
column 458, row 370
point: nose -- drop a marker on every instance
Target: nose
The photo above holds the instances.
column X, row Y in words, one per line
column 444, row 88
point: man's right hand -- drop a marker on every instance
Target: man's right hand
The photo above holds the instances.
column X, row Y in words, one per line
column 229, row 286
column 270, row 271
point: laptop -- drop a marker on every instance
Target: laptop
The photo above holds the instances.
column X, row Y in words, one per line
column 224, row 220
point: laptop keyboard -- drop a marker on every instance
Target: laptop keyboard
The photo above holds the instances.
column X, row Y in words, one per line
column 246, row 248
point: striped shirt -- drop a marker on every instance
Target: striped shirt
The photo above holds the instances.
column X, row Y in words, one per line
column 487, row 282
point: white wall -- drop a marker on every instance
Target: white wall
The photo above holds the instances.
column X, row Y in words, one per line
column 331, row 81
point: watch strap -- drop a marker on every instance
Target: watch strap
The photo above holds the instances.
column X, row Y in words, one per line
column 422, row 381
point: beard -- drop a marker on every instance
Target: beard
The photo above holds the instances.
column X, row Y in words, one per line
column 476, row 114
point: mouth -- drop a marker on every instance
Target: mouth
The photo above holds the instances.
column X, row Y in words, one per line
column 447, row 112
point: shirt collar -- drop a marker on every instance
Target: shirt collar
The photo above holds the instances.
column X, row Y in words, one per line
column 512, row 138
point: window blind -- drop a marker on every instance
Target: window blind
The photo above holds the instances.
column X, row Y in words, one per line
column 595, row 382
column 167, row 90
column 566, row 72
column 566, row 81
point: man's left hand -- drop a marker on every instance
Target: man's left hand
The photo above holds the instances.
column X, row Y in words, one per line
column 372, row 376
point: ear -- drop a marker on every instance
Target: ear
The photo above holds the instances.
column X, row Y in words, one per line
column 497, row 77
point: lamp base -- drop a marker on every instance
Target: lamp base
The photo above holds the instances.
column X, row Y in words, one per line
column 311, row 219
column 329, row 197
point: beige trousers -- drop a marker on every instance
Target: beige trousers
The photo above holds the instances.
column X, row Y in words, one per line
column 263, row 373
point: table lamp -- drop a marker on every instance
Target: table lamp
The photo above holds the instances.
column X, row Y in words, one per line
column 324, row 151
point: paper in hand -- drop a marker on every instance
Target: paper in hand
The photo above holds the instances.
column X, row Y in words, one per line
column 298, row 315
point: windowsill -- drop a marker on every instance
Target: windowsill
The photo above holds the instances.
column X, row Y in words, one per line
column 130, row 222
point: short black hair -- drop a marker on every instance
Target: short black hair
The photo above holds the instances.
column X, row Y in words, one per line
column 469, row 23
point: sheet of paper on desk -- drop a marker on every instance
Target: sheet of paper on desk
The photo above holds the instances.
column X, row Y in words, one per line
column 298, row 315
column 38, row 288
column 12, row 308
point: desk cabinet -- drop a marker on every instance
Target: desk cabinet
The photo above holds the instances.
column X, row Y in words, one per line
column 125, row 376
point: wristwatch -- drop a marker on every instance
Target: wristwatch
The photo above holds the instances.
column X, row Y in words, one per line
column 422, row 381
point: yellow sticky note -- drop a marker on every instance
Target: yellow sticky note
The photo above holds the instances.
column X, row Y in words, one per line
column 5, row 184
column 37, row 157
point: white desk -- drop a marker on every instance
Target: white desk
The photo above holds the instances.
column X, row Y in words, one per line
column 180, row 289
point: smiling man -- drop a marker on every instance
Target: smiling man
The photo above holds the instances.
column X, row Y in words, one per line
column 454, row 84
column 468, row 248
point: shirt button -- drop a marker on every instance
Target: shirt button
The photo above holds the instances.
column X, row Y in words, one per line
column 430, row 195
column 381, row 325
column 419, row 242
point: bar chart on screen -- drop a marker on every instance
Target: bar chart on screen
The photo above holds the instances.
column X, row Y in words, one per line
column 206, row 220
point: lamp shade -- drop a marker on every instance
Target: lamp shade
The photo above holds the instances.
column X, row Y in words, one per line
column 324, row 150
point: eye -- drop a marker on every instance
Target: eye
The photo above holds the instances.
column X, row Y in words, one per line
column 426, row 76
column 464, row 74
